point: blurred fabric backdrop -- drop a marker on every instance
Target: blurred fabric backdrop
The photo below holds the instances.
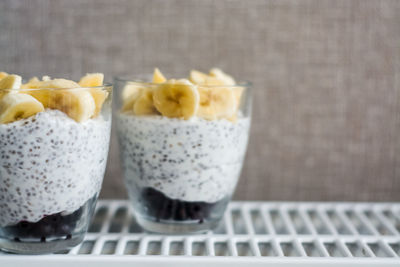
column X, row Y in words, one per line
column 326, row 74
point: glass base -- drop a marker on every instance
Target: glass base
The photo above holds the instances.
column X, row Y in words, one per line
column 35, row 248
column 176, row 227
column 53, row 233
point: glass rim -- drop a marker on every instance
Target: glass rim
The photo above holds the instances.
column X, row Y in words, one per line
column 106, row 85
column 246, row 84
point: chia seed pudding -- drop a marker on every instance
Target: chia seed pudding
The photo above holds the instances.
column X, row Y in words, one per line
column 51, row 166
column 195, row 160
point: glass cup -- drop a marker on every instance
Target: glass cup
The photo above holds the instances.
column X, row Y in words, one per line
column 52, row 165
column 180, row 174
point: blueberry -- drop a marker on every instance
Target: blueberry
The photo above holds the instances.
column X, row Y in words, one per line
column 162, row 207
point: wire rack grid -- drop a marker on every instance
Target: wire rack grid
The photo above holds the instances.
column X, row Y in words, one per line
column 257, row 233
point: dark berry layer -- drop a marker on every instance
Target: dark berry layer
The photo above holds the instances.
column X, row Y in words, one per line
column 161, row 207
column 54, row 225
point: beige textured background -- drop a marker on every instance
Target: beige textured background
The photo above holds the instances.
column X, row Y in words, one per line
column 326, row 78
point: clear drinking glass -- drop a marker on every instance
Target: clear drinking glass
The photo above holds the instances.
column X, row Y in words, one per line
column 51, row 168
column 180, row 174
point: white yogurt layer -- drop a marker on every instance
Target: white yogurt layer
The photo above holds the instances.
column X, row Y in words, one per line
column 49, row 163
column 193, row 160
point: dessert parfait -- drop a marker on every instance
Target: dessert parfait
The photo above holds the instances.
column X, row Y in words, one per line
column 182, row 142
column 54, row 136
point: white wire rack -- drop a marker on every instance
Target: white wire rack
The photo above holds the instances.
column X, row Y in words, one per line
column 257, row 233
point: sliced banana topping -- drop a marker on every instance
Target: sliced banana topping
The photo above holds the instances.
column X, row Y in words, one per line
column 222, row 76
column 11, row 81
column 143, row 105
column 92, row 80
column 48, row 84
column 32, row 80
column 216, row 103
column 158, row 77
column 197, row 77
column 78, row 103
column 18, row 106
column 209, row 96
column 30, row 83
column 201, row 78
column 129, row 90
column 3, row 74
column 45, row 93
column 130, row 94
column 133, row 93
column 177, row 99
column 99, row 94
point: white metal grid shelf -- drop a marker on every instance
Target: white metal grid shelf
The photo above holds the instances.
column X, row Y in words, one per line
column 261, row 233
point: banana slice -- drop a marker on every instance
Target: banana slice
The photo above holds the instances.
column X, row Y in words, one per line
column 92, row 80
column 33, row 80
column 216, row 103
column 134, row 93
column 158, row 77
column 129, row 90
column 201, row 78
column 42, row 95
column 99, row 94
column 212, row 81
column 30, row 83
column 34, row 83
column 222, row 76
column 198, row 77
column 143, row 105
column 177, row 99
column 11, row 81
column 45, row 94
column 78, row 103
column 3, row 74
column 18, row 106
